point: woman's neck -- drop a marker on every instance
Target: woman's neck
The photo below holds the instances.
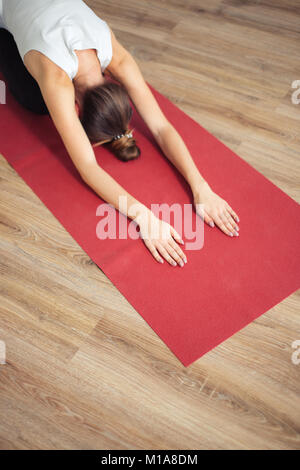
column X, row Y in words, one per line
column 83, row 83
column 89, row 74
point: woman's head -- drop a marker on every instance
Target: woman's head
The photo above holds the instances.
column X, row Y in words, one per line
column 106, row 113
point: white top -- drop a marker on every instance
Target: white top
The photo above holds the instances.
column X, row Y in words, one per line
column 55, row 28
column 2, row 25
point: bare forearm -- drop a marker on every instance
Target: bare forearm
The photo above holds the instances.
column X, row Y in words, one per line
column 177, row 152
column 112, row 192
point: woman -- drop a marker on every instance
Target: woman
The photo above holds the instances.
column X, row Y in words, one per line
column 53, row 54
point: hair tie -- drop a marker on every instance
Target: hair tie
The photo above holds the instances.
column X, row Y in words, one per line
column 128, row 135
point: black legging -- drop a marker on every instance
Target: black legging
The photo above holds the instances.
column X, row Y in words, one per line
column 20, row 82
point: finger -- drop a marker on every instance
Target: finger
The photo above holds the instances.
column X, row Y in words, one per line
column 200, row 210
column 176, row 236
column 222, row 226
column 175, row 255
column 165, row 254
column 231, row 220
column 228, row 221
column 153, row 251
column 208, row 219
column 204, row 215
column 178, row 250
column 234, row 215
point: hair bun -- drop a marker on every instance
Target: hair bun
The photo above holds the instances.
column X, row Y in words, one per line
column 106, row 111
column 125, row 148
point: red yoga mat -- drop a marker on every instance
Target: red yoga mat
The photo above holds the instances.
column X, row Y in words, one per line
column 226, row 284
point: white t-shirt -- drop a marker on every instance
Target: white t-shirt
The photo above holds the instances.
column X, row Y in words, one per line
column 55, row 28
column 2, row 25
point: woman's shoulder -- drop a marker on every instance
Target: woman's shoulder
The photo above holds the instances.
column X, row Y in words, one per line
column 39, row 66
column 118, row 53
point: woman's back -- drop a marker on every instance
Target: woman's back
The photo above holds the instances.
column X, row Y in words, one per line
column 56, row 28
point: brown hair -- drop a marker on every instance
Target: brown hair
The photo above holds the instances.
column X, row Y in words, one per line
column 106, row 113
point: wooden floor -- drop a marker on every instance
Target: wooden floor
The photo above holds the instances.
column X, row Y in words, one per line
column 84, row 370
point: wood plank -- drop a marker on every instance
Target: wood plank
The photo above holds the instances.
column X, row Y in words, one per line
column 84, row 370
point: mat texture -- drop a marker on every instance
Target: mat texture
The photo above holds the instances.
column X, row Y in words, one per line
column 226, row 284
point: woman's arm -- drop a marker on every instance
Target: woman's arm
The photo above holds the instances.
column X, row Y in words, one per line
column 127, row 72
column 59, row 95
column 125, row 69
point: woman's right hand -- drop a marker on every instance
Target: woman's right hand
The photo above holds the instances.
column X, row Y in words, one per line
column 161, row 239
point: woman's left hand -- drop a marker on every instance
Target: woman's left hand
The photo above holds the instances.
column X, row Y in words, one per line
column 216, row 211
